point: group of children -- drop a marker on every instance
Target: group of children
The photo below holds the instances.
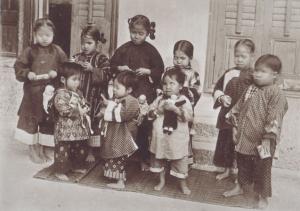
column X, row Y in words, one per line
column 150, row 111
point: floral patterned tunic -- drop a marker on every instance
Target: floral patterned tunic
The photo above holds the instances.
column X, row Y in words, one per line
column 69, row 125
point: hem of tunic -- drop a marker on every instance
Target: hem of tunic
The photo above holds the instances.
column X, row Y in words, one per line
column 25, row 137
column 178, row 175
column 169, row 158
column 94, row 141
column 46, row 140
column 156, row 170
column 115, row 174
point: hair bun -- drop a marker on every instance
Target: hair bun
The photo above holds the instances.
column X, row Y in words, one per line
column 152, row 25
column 129, row 20
column 152, row 30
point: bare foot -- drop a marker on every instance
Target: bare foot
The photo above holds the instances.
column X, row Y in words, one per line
column 262, row 203
column 81, row 171
column 118, row 185
column 161, row 183
column 184, row 188
column 90, row 158
column 159, row 186
column 36, row 159
column 44, row 156
column 61, row 177
column 223, row 175
column 34, row 155
column 144, row 166
column 237, row 190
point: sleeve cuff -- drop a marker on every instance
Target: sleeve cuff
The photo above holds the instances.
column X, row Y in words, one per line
column 270, row 136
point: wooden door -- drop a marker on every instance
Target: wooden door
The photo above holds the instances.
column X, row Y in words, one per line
column 60, row 13
column 273, row 25
column 9, row 27
column 231, row 20
column 282, row 38
column 101, row 12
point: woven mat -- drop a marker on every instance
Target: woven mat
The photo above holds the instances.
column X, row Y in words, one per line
column 203, row 185
column 48, row 174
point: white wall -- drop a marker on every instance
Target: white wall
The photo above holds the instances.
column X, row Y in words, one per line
column 175, row 20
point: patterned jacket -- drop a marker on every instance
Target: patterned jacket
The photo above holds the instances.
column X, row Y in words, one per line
column 69, row 125
column 258, row 115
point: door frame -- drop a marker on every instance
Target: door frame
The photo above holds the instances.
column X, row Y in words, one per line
column 114, row 14
column 210, row 52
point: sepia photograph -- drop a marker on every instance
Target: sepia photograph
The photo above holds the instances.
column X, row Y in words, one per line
column 150, row 105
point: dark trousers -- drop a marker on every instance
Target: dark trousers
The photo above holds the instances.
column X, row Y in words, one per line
column 257, row 171
column 69, row 155
column 224, row 152
column 142, row 139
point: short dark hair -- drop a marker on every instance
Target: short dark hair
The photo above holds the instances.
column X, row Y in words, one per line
column 128, row 79
column 43, row 22
column 69, row 69
column 270, row 61
column 245, row 42
column 177, row 72
column 93, row 31
column 184, row 46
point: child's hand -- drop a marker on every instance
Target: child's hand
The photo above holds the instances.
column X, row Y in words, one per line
column 124, row 68
column 52, row 74
column 143, row 71
column 83, row 110
column 87, row 66
column 31, row 76
column 234, row 135
column 169, row 106
column 266, row 146
column 225, row 100
column 105, row 100
column 100, row 115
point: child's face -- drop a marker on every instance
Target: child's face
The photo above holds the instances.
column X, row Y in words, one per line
column 88, row 45
column 242, row 57
column 44, row 36
column 73, row 82
column 120, row 90
column 264, row 76
column 171, row 86
column 138, row 34
column 181, row 59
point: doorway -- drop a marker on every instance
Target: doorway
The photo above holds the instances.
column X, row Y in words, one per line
column 60, row 15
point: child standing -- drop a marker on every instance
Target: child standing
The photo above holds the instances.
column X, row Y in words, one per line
column 257, row 120
column 93, row 78
column 145, row 61
column 37, row 67
column 226, row 97
column 71, row 130
column 172, row 147
column 119, row 128
column 182, row 56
